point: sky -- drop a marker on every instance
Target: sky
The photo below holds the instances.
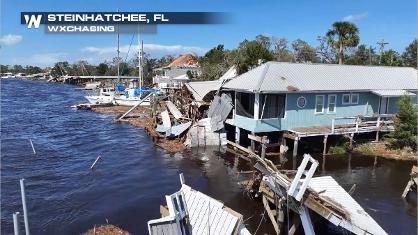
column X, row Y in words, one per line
column 393, row 21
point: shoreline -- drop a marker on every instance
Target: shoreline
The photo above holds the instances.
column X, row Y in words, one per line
column 146, row 123
column 379, row 149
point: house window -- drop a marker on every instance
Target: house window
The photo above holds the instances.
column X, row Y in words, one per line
column 301, row 102
column 244, row 105
column 346, row 98
column 332, row 101
column 354, row 98
column 272, row 106
column 319, row 104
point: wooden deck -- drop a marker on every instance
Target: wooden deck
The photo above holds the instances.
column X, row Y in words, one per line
column 347, row 125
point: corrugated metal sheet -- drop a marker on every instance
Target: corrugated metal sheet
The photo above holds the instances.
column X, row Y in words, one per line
column 392, row 93
column 231, row 73
column 219, row 110
column 183, row 77
column 360, row 222
column 201, row 134
column 201, row 89
column 163, row 228
column 288, row 77
column 207, row 215
column 173, row 110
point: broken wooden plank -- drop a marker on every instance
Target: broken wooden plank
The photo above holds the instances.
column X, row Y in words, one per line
column 174, row 110
column 271, row 215
column 166, row 119
column 407, row 188
column 260, row 139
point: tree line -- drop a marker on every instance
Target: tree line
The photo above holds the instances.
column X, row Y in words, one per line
column 341, row 44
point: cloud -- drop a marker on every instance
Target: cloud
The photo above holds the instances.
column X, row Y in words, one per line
column 10, row 39
column 153, row 49
column 353, row 18
column 47, row 59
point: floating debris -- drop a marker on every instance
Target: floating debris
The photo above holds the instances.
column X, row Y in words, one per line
column 33, row 148
column 94, row 163
column 106, row 229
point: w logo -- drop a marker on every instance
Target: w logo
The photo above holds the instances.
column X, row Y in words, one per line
column 33, row 20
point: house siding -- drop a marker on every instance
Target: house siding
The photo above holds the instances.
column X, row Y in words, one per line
column 296, row 117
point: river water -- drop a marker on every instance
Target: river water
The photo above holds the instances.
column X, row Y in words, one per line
column 129, row 183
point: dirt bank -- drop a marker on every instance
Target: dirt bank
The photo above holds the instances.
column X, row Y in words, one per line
column 146, row 123
column 118, row 109
column 107, row 229
column 381, row 149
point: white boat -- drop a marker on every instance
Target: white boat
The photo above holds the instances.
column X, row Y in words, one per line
column 21, row 75
column 7, row 75
column 106, row 96
column 92, row 85
column 132, row 97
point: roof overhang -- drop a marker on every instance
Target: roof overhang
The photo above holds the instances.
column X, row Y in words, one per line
column 392, row 93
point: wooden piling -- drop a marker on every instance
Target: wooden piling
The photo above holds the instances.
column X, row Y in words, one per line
column 351, row 141
column 324, row 152
column 295, row 147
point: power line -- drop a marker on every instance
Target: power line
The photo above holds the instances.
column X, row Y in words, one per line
column 382, row 48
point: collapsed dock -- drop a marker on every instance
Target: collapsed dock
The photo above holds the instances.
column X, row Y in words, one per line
column 306, row 196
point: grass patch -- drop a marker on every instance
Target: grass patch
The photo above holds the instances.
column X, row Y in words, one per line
column 364, row 149
column 337, row 150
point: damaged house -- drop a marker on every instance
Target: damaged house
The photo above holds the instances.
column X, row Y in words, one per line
column 299, row 100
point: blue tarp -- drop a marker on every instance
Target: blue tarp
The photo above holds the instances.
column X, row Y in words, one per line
column 119, row 87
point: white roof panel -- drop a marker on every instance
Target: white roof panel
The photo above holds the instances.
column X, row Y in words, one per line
column 288, row 77
column 207, row 215
column 360, row 222
column 200, row 89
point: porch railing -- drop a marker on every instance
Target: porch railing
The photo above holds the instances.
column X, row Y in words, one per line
column 358, row 124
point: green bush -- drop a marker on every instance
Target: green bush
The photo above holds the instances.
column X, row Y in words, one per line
column 364, row 149
column 337, row 150
column 405, row 124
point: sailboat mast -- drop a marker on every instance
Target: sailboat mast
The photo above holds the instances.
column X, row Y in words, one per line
column 142, row 62
column 118, row 59
column 139, row 60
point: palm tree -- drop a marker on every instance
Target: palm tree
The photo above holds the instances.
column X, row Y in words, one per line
column 343, row 34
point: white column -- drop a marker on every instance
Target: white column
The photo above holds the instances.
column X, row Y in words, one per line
column 237, row 135
column 256, row 106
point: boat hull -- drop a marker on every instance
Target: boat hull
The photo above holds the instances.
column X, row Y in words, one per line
column 98, row 99
column 131, row 102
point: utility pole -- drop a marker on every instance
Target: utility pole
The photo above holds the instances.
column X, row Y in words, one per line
column 118, row 51
column 382, row 48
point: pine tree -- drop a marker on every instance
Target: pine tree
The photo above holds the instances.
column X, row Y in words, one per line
column 405, row 124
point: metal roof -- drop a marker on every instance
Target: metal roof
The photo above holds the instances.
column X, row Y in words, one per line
column 201, row 89
column 182, row 77
column 292, row 77
column 392, row 93
column 206, row 216
column 360, row 222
